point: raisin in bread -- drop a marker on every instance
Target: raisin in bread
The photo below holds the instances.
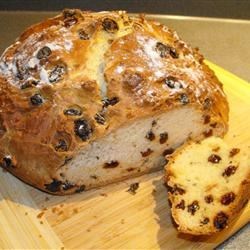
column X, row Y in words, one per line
column 93, row 98
column 208, row 184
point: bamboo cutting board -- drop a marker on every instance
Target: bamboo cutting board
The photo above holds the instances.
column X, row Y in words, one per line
column 111, row 217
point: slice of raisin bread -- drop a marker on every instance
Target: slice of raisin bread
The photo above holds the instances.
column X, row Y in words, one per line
column 208, row 184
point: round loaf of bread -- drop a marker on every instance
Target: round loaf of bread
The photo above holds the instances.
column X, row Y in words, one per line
column 93, row 98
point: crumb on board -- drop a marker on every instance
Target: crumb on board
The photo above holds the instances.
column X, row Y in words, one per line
column 54, row 209
column 26, row 213
column 60, row 212
column 133, row 187
column 75, row 210
column 41, row 222
column 103, row 194
column 40, row 215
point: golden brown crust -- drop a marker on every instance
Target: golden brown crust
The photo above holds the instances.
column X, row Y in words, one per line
column 46, row 73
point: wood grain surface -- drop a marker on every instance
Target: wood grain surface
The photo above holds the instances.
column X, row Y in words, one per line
column 111, row 218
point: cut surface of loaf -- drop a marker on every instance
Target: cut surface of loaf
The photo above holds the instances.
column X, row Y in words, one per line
column 208, row 184
column 91, row 98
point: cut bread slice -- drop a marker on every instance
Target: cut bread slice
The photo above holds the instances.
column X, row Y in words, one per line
column 134, row 149
column 208, row 184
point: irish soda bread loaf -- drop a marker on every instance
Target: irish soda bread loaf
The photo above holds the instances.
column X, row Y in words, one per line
column 209, row 183
column 92, row 98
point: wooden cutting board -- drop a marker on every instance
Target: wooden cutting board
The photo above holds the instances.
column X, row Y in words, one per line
column 111, row 217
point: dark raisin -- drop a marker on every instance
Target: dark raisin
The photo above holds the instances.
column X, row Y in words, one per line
column 67, row 185
column 57, row 73
column 61, row 146
column 150, row 135
column 193, row 207
column 205, row 221
column 34, row 82
column 207, row 103
column 147, row 152
column 70, row 21
column 93, row 177
column 220, row 220
column 21, row 70
column 213, row 158
column 173, row 83
column 168, row 151
column 62, row 175
column 154, row 123
column 7, row 161
column 184, row 99
column 26, row 85
column 43, row 52
column 83, row 129
column 181, row 205
column 213, row 125
column 19, row 75
column 111, row 164
column 162, row 49
column 80, row 189
column 133, row 187
column 112, row 101
column 73, row 112
column 206, row 119
column 36, row 100
column 165, row 50
column 230, row 170
column 163, row 137
column 173, row 53
column 110, row 25
column 209, row 198
column 234, row 151
column 228, row 198
column 68, row 13
column 99, row 117
column 83, row 35
column 130, row 169
column 208, row 133
column 176, row 190
column 54, row 186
